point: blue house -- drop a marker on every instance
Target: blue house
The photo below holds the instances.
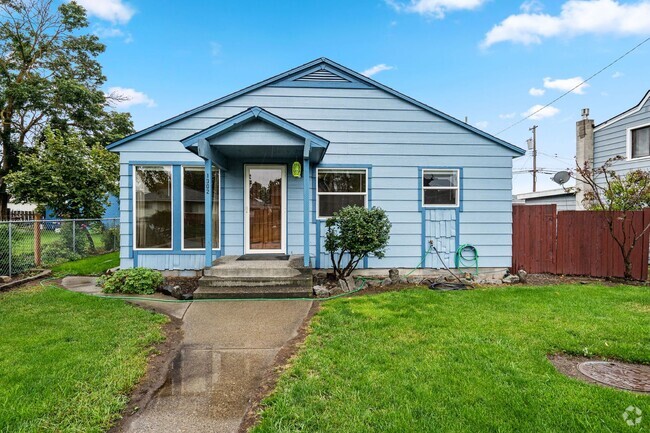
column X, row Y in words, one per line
column 260, row 170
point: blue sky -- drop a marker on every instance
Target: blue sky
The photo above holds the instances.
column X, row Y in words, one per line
column 489, row 60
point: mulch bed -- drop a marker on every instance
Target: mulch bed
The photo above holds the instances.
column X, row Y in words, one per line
column 187, row 284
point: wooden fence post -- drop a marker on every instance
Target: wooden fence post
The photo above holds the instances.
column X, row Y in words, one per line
column 37, row 240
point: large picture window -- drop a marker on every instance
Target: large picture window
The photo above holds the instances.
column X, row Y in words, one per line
column 440, row 188
column 153, row 207
column 640, row 142
column 338, row 188
column 194, row 208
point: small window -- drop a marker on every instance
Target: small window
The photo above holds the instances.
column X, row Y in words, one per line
column 338, row 188
column 440, row 188
column 194, row 208
column 640, row 142
column 153, row 207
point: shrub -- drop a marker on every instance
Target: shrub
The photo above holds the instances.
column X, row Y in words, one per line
column 58, row 252
column 141, row 281
column 353, row 233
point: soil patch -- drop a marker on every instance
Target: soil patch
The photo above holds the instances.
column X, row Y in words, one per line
column 550, row 280
column 158, row 368
column 187, row 284
column 26, row 277
column 281, row 362
column 604, row 372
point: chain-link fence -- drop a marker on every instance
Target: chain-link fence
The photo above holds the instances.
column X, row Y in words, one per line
column 42, row 243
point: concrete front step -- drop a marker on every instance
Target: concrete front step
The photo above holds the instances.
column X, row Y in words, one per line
column 252, row 271
column 252, row 292
column 254, row 281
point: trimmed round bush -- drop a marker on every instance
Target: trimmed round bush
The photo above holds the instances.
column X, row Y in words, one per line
column 134, row 281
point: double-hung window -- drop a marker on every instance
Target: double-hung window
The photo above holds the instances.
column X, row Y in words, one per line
column 440, row 188
column 194, row 208
column 640, row 142
column 153, row 207
column 338, row 188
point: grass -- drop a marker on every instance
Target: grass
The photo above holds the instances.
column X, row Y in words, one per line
column 69, row 360
column 95, row 265
column 419, row 361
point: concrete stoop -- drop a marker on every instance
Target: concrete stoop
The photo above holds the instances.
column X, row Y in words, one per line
column 230, row 278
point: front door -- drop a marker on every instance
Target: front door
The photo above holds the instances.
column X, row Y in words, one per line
column 265, row 208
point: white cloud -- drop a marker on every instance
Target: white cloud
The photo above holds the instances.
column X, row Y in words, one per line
column 112, row 32
column 536, row 92
column 531, row 6
column 130, row 97
column 576, row 17
column 376, row 69
column 215, row 49
column 482, row 124
column 567, row 84
column 115, row 11
column 434, row 8
column 617, row 74
column 507, row 116
column 540, row 112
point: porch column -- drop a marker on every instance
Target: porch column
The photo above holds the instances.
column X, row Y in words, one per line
column 208, row 213
column 306, row 200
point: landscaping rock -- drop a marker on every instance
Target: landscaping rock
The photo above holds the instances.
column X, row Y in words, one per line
column 511, row 279
column 373, row 282
column 414, row 280
column 386, row 282
column 449, row 279
column 347, row 284
column 393, row 274
column 492, row 281
column 523, row 276
column 5, row 279
column 321, row 292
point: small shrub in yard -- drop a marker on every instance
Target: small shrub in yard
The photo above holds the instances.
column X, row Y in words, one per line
column 140, row 281
column 58, row 252
column 353, row 233
column 111, row 238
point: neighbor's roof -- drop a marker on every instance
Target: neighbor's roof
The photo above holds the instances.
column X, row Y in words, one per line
column 542, row 194
column 625, row 114
column 306, row 66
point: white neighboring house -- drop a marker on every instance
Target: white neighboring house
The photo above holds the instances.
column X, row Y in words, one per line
column 564, row 199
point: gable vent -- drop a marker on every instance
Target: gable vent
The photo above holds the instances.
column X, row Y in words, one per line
column 322, row 75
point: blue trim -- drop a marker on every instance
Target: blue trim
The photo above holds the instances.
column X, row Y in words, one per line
column 307, row 66
column 222, row 212
column 131, row 212
column 423, row 210
column 135, row 259
column 254, row 113
column 177, row 209
column 183, row 163
column 305, row 210
column 318, row 240
column 208, row 212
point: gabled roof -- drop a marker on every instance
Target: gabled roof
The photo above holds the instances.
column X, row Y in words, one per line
column 294, row 75
column 625, row 114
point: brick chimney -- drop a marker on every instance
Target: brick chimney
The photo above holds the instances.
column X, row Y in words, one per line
column 584, row 152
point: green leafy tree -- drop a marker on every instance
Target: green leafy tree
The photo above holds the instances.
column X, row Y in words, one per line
column 352, row 234
column 49, row 75
column 65, row 174
column 616, row 196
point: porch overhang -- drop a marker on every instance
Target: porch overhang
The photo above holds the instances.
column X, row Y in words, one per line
column 206, row 144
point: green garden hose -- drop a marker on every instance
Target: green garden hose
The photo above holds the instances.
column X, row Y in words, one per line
column 463, row 260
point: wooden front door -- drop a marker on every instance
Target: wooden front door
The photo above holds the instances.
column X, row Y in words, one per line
column 265, row 208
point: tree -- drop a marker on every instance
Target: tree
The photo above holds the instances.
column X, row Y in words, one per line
column 353, row 233
column 67, row 175
column 49, row 75
column 616, row 196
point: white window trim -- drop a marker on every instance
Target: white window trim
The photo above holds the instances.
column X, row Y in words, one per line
column 440, row 170
column 628, row 150
column 135, row 208
column 340, row 169
column 218, row 175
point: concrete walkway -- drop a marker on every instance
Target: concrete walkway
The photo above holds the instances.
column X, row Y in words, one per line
column 227, row 348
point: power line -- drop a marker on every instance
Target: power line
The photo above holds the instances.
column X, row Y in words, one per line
column 575, row 87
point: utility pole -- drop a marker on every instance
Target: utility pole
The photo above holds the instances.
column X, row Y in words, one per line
column 534, row 129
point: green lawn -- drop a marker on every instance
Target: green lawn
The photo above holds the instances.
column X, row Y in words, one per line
column 95, row 265
column 420, row 361
column 69, row 360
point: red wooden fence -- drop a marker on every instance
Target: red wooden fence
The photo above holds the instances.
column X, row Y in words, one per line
column 576, row 242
